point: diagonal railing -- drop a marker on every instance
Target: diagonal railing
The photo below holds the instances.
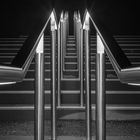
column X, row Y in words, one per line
column 16, row 71
column 125, row 71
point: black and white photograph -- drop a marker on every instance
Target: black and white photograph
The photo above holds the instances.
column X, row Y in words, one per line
column 69, row 70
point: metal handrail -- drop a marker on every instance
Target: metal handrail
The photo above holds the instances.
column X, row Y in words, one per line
column 20, row 64
column 64, row 30
column 53, row 78
column 121, row 64
column 59, row 63
column 34, row 45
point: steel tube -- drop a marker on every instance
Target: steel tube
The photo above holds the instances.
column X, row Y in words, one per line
column 74, row 22
column 78, row 43
column 81, row 69
column 53, row 86
column 59, row 66
column 63, row 42
column 61, row 45
column 100, row 93
column 39, row 91
column 65, row 33
column 88, row 86
column 110, row 107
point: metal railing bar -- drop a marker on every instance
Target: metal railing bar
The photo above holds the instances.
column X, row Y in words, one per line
column 53, row 78
column 11, row 56
column 39, row 91
column 92, row 79
column 87, row 79
column 61, row 41
column 22, row 92
column 70, row 79
column 113, row 107
column 59, row 65
column 69, row 92
column 100, row 95
column 32, row 70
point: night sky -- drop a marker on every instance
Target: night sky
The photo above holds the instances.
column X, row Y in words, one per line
column 18, row 16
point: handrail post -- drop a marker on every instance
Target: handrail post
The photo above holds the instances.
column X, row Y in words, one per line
column 61, row 42
column 59, row 65
column 64, row 42
column 81, row 69
column 87, row 80
column 74, row 22
column 79, row 40
column 53, row 77
column 39, row 91
column 100, row 95
column 78, row 45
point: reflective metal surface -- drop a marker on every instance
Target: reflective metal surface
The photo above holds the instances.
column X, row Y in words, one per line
column 53, row 77
column 16, row 72
column 100, row 92
column 87, row 86
column 81, row 69
column 87, row 77
column 59, row 65
column 20, row 64
column 39, row 91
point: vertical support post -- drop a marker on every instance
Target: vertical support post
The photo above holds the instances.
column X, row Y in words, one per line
column 78, row 43
column 100, row 95
column 74, row 22
column 87, row 80
column 53, row 78
column 87, row 77
column 81, row 69
column 59, row 66
column 79, row 26
column 64, row 38
column 39, row 91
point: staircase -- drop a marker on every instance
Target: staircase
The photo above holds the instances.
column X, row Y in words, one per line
column 22, row 94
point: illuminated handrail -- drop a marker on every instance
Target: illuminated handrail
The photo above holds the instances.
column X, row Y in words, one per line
column 121, row 64
column 20, row 64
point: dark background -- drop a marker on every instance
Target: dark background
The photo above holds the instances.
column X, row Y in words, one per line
column 18, row 16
